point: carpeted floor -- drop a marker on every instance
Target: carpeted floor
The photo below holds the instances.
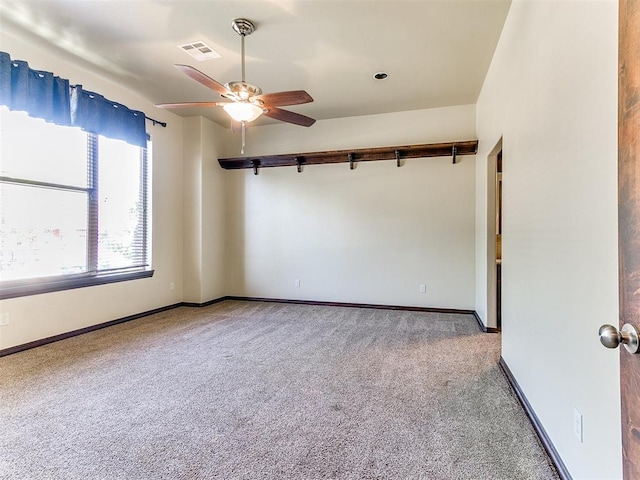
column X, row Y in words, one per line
column 248, row 390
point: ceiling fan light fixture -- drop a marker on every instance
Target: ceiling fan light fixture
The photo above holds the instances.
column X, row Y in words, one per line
column 243, row 111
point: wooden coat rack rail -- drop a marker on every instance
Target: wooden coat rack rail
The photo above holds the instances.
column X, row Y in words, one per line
column 449, row 149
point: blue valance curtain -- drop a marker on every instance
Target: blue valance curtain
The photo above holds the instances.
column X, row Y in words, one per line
column 41, row 94
column 44, row 95
column 94, row 113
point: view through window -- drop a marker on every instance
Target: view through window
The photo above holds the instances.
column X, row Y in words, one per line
column 73, row 205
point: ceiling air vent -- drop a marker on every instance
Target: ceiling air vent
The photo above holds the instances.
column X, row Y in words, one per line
column 200, row 51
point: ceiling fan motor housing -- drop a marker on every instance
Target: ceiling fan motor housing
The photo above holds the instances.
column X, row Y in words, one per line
column 242, row 91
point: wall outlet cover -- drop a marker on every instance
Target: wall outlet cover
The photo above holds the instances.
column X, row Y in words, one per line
column 577, row 425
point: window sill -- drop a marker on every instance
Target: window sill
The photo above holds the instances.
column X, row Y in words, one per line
column 37, row 287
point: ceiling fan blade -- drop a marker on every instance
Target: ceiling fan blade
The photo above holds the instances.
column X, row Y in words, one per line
column 281, row 99
column 188, row 104
column 289, row 117
column 204, row 79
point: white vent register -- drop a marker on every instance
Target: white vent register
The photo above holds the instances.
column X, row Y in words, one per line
column 200, row 51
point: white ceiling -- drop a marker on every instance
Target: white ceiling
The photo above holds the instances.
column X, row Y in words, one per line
column 436, row 52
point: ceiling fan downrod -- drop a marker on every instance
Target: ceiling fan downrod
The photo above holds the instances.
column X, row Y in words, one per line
column 243, row 27
column 243, row 68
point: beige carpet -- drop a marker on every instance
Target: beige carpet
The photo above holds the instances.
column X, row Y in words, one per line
column 247, row 390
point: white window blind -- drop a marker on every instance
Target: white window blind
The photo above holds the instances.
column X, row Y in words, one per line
column 74, row 207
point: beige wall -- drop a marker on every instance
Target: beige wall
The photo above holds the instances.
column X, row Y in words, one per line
column 213, row 213
column 192, row 210
column 551, row 94
column 204, row 212
column 41, row 316
column 371, row 235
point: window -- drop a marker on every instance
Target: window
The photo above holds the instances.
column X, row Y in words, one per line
column 74, row 207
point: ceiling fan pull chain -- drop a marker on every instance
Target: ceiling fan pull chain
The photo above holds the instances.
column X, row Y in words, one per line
column 243, row 138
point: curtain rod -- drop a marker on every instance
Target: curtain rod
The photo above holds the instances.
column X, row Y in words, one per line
column 156, row 122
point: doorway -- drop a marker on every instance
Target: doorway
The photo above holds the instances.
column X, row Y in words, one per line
column 494, row 253
column 498, row 267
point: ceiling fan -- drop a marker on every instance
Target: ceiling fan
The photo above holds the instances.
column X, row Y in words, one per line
column 246, row 101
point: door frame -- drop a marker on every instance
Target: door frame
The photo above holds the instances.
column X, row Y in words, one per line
column 492, row 168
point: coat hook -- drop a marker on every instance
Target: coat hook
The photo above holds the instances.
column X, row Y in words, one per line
column 299, row 162
column 397, row 152
column 351, row 160
column 454, row 152
column 256, row 163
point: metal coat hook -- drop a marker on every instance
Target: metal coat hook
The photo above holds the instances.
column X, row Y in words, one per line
column 351, row 161
column 299, row 162
column 454, row 152
column 397, row 152
column 256, row 164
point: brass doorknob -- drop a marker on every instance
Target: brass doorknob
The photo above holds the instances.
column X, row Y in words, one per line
column 610, row 337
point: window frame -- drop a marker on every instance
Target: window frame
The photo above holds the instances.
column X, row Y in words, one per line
column 93, row 276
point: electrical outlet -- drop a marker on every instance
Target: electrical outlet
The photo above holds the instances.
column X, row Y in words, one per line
column 297, row 282
column 4, row 319
column 423, row 288
column 577, row 425
column 172, row 286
